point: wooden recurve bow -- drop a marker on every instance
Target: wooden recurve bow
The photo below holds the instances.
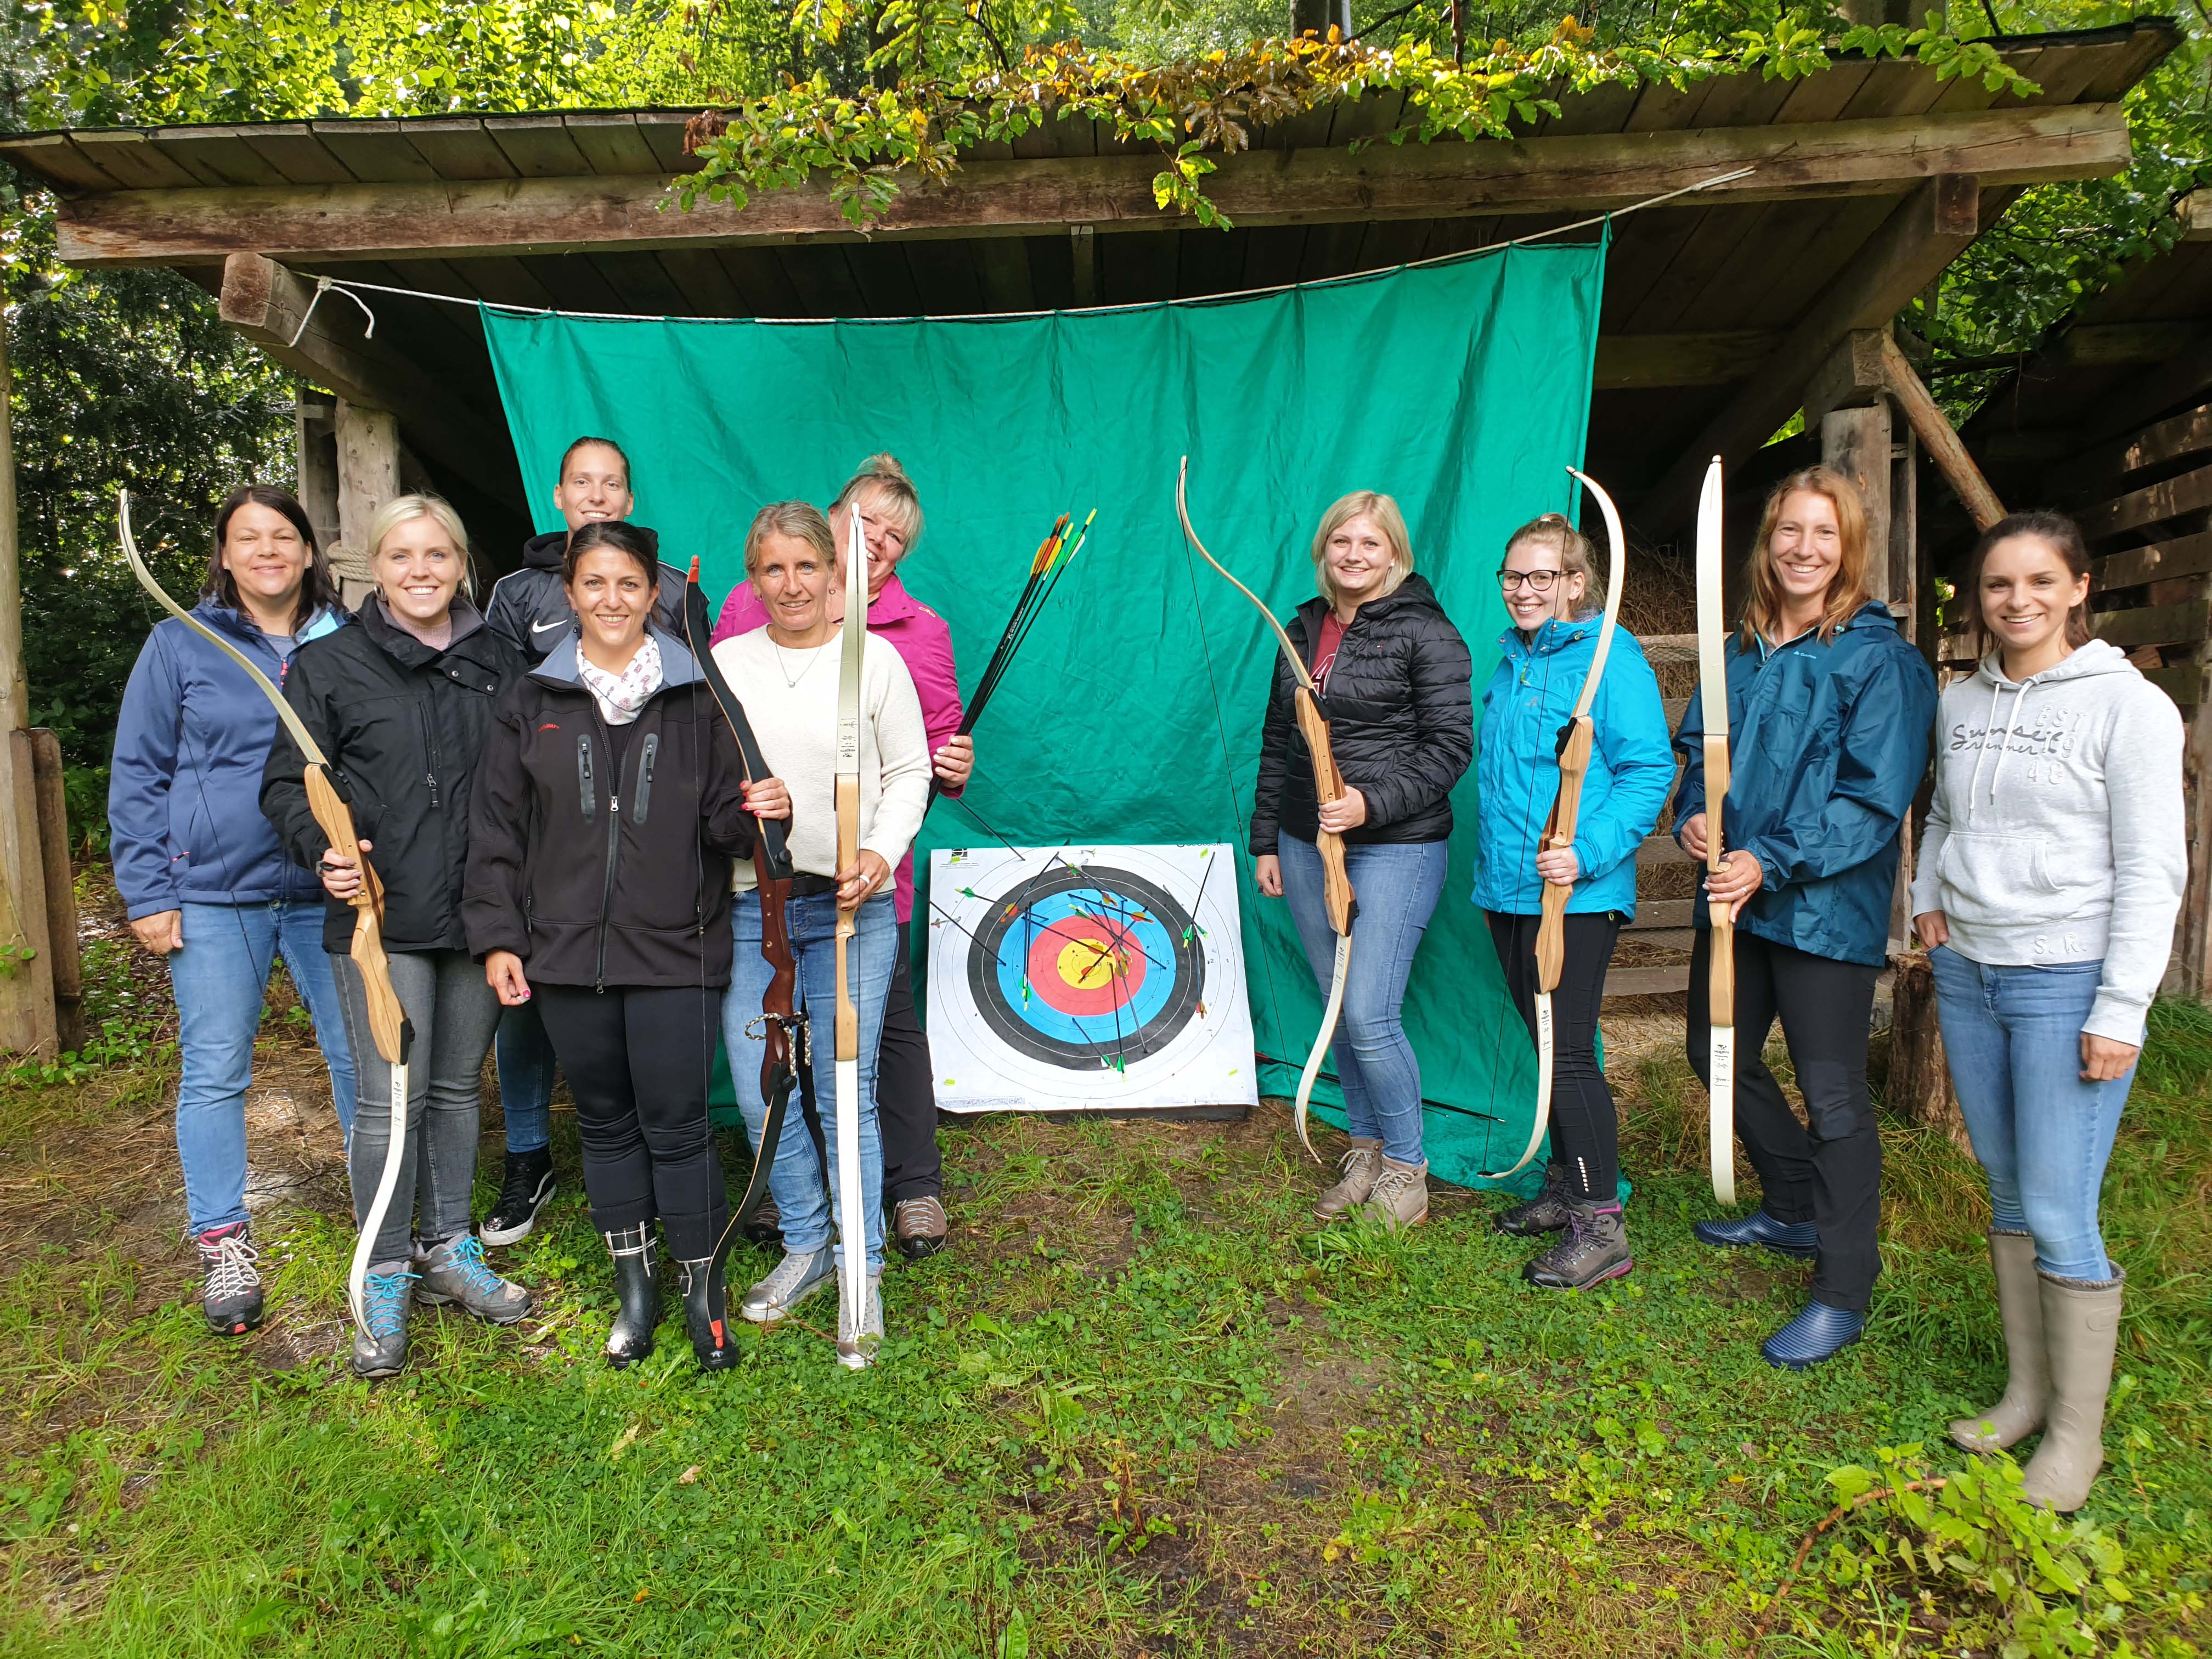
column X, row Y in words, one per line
column 1713, row 703
column 851, row 1221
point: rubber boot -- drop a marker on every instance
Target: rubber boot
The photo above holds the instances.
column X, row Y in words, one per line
column 707, row 1313
column 2082, row 1331
column 637, row 1294
column 2028, row 1364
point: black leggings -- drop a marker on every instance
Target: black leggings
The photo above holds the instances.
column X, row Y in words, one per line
column 1585, row 1133
column 639, row 1061
column 1830, row 1175
column 906, row 1095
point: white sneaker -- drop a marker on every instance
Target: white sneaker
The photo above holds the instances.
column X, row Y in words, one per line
column 872, row 1327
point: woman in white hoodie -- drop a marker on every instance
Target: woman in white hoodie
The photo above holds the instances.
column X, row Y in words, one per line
column 2046, row 891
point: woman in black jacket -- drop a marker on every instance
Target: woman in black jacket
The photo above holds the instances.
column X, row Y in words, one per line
column 611, row 806
column 401, row 702
column 1394, row 680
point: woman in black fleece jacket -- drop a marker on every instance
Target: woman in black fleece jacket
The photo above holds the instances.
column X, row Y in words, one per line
column 1394, row 680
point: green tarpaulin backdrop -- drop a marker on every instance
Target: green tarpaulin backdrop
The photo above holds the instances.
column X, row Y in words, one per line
column 1134, row 713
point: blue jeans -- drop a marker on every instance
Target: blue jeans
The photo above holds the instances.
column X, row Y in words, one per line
column 2013, row 1038
column 1397, row 888
column 799, row 1183
column 219, row 979
column 526, row 1077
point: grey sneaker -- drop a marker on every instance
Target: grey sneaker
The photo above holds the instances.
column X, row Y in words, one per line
column 797, row 1276
column 1400, row 1198
column 230, row 1298
column 919, row 1226
column 1547, row 1212
column 456, row 1271
column 1355, row 1173
column 872, row 1327
column 1594, row 1249
column 380, row 1345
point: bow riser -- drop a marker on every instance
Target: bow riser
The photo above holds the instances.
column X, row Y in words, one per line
column 386, row 1017
column 1558, row 832
column 1329, row 786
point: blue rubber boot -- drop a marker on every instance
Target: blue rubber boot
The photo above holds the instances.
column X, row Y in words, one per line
column 1819, row 1333
column 1800, row 1239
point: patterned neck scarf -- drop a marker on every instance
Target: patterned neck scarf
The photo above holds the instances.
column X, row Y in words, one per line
column 621, row 695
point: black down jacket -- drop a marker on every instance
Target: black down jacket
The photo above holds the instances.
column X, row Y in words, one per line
column 529, row 607
column 404, row 726
column 1401, row 714
column 601, row 862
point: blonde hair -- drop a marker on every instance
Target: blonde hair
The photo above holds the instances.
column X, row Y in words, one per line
column 801, row 522
column 405, row 509
column 882, row 476
column 1364, row 504
column 1847, row 588
column 1576, row 556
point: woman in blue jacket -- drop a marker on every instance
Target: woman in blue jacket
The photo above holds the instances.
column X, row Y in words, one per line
column 207, row 886
column 1553, row 593
column 1829, row 712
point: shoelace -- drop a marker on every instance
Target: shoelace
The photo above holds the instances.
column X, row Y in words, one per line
column 789, row 1275
column 386, row 1304
column 232, row 1272
column 475, row 1273
column 1357, row 1155
column 1390, row 1183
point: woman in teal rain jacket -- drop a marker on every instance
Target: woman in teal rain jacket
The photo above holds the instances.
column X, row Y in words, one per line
column 1552, row 594
column 1829, row 712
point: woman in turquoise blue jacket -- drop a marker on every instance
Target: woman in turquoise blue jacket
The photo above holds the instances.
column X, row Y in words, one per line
column 1553, row 593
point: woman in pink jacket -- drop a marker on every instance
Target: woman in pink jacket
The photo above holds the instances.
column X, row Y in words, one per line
column 906, row 1098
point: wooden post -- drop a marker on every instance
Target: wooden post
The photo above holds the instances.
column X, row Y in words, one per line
column 61, row 888
column 316, row 438
column 1855, row 442
column 368, row 476
column 1919, row 1074
column 1944, row 448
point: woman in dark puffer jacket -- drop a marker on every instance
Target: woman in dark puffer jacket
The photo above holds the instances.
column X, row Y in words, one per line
column 1394, row 680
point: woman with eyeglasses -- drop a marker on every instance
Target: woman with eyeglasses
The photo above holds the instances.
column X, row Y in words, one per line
column 1554, row 597
column 1395, row 677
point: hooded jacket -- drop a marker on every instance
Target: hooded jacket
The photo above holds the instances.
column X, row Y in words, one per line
column 185, row 826
column 599, row 866
column 1401, row 710
column 404, row 726
column 1530, row 697
column 1827, row 741
column 2057, row 834
column 529, row 607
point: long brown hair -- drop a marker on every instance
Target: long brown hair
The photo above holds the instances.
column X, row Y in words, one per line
column 317, row 589
column 2062, row 537
column 1847, row 590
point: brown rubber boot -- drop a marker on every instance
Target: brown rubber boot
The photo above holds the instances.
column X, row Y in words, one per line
column 2027, row 1363
column 2082, row 1328
column 1401, row 1197
column 1357, row 1170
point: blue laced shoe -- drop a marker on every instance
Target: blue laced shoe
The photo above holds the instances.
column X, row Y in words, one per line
column 1800, row 1239
column 380, row 1346
column 1819, row 1333
column 456, row 1271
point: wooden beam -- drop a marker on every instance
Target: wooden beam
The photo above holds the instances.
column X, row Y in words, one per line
column 1640, row 362
column 1936, row 435
column 459, row 219
column 1856, row 443
column 1850, row 378
column 1927, row 230
column 276, row 308
column 2139, row 566
column 2190, row 492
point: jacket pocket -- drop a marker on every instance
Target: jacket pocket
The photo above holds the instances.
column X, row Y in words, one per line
column 648, row 753
column 1996, row 880
column 586, row 787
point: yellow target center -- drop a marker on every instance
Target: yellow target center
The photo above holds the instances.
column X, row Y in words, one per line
column 1089, row 965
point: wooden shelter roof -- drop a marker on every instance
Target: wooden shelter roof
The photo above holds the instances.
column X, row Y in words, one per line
column 1868, row 178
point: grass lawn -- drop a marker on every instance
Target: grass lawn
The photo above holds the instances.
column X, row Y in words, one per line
column 1140, row 1406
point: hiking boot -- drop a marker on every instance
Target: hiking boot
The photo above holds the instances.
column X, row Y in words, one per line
column 1400, row 1194
column 871, row 1326
column 1547, row 1212
column 1818, row 1333
column 2026, row 1396
column 1355, row 1173
column 919, row 1226
column 637, row 1294
column 797, row 1276
column 1594, row 1249
column 456, row 1271
column 1800, row 1239
column 380, row 1345
column 231, row 1297
column 765, row 1224
column 524, row 1192
column 707, row 1313
column 2081, row 1331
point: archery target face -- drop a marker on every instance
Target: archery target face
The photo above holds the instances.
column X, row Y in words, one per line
column 1074, row 977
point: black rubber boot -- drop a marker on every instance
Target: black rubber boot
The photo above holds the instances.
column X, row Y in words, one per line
column 637, row 1294
column 707, row 1314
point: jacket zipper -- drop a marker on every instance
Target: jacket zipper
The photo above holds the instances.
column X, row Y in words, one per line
column 429, row 753
column 645, row 757
column 607, row 891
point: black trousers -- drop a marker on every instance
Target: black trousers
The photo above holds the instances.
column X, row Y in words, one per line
column 639, row 1062
column 1585, row 1130
column 906, row 1095
column 1829, row 1174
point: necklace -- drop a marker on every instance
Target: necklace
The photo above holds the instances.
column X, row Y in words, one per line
column 790, row 679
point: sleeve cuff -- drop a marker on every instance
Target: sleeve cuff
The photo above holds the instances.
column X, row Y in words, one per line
column 2117, row 1016
column 153, row 907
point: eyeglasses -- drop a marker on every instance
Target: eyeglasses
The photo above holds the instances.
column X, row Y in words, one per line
column 1541, row 581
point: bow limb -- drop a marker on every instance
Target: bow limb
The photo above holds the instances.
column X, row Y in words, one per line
column 1713, row 701
column 388, row 1024
column 1337, row 896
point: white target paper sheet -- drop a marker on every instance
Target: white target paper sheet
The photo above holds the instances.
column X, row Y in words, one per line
column 1103, row 978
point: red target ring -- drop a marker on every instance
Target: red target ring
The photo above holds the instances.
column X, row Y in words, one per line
column 1086, row 966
